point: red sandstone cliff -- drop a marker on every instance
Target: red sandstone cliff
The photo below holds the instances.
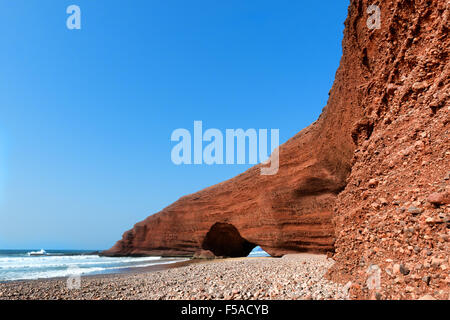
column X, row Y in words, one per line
column 394, row 213
column 372, row 172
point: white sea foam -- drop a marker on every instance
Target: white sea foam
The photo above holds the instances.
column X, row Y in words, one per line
column 37, row 267
column 57, row 261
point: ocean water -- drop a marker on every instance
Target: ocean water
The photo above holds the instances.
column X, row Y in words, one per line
column 258, row 252
column 19, row 265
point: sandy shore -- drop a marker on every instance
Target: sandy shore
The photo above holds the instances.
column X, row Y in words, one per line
column 291, row 277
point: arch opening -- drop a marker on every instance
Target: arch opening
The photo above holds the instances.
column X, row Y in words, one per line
column 223, row 239
column 258, row 252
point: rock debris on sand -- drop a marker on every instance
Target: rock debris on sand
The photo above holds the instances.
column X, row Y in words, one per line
column 290, row 277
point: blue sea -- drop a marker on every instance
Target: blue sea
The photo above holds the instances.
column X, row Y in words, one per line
column 20, row 265
column 258, row 252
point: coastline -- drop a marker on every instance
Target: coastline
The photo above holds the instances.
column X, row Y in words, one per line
column 122, row 271
column 299, row 276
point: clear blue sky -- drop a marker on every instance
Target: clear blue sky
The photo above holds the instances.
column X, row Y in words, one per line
column 86, row 115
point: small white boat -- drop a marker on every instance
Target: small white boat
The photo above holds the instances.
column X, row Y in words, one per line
column 37, row 253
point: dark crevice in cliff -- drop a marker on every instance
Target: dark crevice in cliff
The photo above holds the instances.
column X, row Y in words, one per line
column 313, row 186
column 223, row 239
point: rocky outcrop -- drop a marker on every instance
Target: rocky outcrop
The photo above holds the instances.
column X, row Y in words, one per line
column 204, row 254
column 392, row 219
column 369, row 179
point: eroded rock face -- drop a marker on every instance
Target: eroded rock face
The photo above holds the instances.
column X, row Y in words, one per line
column 348, row 181
column 394, row 212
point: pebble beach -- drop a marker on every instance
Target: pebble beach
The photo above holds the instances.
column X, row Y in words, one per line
column 299, row 276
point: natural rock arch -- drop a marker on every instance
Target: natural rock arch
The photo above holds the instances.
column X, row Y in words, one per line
column 223, row 239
